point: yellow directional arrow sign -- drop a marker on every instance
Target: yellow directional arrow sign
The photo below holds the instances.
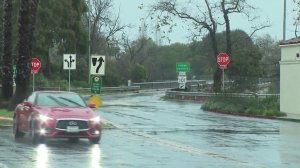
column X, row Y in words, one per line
column 96, row 100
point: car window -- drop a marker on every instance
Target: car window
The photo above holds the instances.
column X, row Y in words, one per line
column 32, row 98
column 60, row 99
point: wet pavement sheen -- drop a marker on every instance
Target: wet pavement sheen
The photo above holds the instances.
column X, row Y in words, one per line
column 154, row 133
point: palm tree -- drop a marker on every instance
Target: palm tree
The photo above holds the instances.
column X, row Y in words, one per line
column 27, row 18
column 7, row 81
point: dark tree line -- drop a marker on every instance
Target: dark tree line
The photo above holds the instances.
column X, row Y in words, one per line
column 44, row 29
column 7, row 76
column 206, row 19
column 27, row 17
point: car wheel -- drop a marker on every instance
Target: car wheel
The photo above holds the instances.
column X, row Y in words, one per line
column 35, row 136
column 94, row 140
column 17, row 133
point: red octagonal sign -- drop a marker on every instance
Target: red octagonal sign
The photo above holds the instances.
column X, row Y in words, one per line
column 223, row 60
column 35, row 65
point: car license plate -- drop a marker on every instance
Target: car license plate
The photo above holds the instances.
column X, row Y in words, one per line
column 72, row 129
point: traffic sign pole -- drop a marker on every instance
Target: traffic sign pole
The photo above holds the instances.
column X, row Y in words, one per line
column 223, row 60
column 35, row 66
column 223, row 80
column 96, row 84
column 33, row 82
column 69, row 80
column 69, row 63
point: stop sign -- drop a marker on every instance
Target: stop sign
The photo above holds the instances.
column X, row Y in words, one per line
column 223, row 60
column 35, row 65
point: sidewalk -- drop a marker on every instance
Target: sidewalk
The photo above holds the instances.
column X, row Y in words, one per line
column 290, row 117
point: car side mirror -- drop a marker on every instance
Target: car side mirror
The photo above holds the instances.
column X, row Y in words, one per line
column 92, row 105
column 27, row 103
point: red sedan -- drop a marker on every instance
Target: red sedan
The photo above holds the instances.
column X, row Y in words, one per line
column 56, row 114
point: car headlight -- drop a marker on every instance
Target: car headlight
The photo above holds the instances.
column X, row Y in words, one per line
column 45, row 118
column 95, row 119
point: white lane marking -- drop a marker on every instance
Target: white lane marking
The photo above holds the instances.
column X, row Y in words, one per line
column 194, row 150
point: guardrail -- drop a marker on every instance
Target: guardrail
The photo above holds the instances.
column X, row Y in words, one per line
column 110, row 89
column 167, row 84
column 103, row 89
column 202, row 95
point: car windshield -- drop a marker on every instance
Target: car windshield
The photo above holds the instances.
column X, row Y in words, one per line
column 60, row 99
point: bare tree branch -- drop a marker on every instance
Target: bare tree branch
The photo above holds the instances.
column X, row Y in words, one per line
column 259, row 28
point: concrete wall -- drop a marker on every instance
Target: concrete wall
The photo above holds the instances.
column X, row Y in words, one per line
column 290, row 79
column 288, row 52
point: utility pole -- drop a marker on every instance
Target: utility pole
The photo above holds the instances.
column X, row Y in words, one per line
column 89, row 41
column 284, row 19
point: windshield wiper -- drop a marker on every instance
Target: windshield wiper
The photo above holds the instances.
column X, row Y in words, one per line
column 57, row 101
column 71, row 101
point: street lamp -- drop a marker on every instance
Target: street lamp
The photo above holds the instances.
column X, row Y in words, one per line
column 284, row 19
column 89, row 41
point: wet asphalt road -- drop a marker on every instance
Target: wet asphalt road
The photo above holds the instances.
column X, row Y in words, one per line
column 153, row 133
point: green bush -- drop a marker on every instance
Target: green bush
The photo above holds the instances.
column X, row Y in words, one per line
column 64, row 85
column 80, row 84
column 6, row 113
column 41, row 81
column 257, row 106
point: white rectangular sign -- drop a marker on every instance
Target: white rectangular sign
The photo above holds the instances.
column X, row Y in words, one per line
column 181, row 79
column 182, row 74
column 181, row 85
column 97, row 65
column 69, row 61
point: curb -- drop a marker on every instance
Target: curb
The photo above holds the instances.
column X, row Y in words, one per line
column 6, row 120
column 5, row 126
column 254, row 116
column 288, row 119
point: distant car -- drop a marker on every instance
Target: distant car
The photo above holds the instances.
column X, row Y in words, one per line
column 56, row 114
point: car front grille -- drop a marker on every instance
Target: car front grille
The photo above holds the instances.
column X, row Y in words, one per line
column 82, row 134
column 64, row 123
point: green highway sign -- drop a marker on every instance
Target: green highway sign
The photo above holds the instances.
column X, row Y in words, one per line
column 14, row 70
column 96, row 84
column 183, row 67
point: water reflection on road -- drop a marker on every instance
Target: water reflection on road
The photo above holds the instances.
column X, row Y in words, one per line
column 182, row 126
column 42, row 156
column 95, row 156
column 166, row 134
column 45, row 151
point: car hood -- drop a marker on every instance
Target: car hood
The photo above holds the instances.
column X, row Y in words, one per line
column 67, row 112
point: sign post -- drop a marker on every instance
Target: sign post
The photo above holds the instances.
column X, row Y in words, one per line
column 69, row 63
column 97, row 70
column 35, row 66
column 98, row 65
column 96, row 85
column 223, row 60
column 182, row 68
column 14, row 74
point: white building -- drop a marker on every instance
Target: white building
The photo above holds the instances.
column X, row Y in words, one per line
column 290, row 77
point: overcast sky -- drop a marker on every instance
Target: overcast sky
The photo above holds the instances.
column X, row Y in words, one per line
column 268, row 10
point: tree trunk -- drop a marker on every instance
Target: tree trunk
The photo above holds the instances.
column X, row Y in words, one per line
column 7, row 81
column 218, row 72
column 27, row 19
column 217, row 80
column 227, row 25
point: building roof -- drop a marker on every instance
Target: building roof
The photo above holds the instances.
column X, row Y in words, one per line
column 295, row 40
